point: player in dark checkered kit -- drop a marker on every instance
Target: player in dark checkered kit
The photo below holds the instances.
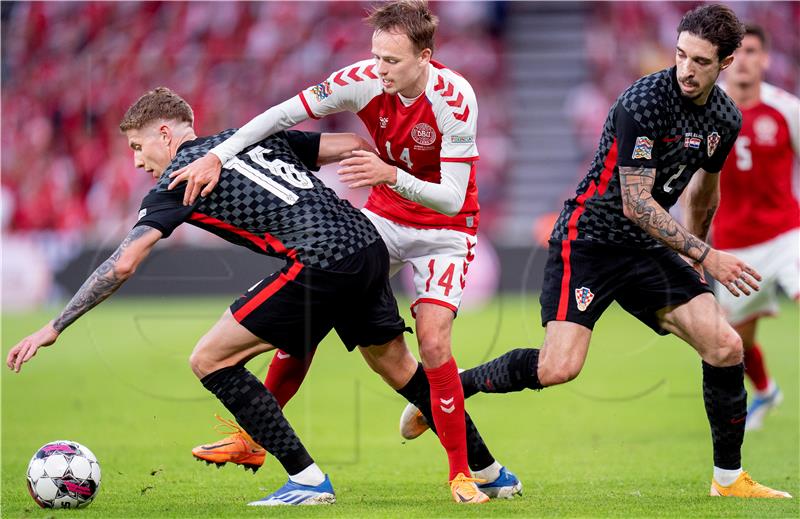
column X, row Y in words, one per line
column 668, row 133
column 336, row 273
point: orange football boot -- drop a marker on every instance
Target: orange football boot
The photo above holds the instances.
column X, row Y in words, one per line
column 744, row 486
column 466, row 491
column 237, row 447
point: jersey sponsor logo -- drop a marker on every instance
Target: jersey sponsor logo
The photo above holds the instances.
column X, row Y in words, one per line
column 462, row 139
column 692, row 142
column 423, row 134
column 142, row 213
column 712, row 142
column 583, row 296
column 643, row 149
column 321, row 91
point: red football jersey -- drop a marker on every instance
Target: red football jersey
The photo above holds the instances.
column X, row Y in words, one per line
column 757, row 198
column 439, row 126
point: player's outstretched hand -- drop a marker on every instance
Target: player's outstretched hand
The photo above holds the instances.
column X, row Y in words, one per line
column 365, row 168
column 202, row 174
column 26, row 349
column 734, row 274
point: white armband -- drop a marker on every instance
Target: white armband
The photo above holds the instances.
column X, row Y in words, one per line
column 278, row 118
column 446, row 197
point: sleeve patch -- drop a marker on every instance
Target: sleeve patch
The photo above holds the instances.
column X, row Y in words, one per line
column 142, row 213
column 462, row 139
column 643, row 148
column 321, row 91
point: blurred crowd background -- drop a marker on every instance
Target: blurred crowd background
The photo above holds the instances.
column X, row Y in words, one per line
column 70, row 70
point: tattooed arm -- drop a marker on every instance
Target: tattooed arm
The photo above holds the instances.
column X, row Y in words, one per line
column 105, row 280
column 701, row 200
column 639, row 205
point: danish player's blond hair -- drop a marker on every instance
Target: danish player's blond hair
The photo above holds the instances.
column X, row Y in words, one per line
column 410, row 17
column 160, row 103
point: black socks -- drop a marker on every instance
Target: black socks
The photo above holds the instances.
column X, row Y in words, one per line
column 726, row 407
column 257, row 411
column 510, row 372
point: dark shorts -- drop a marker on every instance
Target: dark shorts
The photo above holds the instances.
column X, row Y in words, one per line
column 582, row 278
column 296, row 307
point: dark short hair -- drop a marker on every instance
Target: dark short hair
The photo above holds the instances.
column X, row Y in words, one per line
column 411, row 17
column 160, row 103
column 751, row 29
column 717, row 24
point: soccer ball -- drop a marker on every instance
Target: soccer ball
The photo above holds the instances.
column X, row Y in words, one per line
column 63, row 474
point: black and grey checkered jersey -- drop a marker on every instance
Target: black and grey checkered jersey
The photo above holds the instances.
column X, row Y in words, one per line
column 653, row 126
column 267, row 200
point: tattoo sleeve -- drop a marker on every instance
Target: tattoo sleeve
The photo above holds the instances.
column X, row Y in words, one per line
column 103, row 282
column 639, row 205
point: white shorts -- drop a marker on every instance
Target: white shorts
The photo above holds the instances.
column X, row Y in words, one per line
column 778, row 262
column 439, row 258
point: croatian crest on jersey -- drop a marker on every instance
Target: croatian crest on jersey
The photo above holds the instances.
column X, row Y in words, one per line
column 583, row 296
column 321, row 91
column 423, row 134
column 643, row 148
column 713, row 142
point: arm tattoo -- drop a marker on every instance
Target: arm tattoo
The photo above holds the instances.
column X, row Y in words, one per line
column 105, row 280
column 637, row 185
column 706, row 224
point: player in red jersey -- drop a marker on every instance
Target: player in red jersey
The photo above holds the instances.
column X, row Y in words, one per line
column 424, row 202
column 758, row 218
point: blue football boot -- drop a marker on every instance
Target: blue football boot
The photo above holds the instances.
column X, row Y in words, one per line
column 506, row 486
column 296, row 494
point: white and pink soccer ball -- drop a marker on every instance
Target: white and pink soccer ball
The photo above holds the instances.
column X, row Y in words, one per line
column 63, row 474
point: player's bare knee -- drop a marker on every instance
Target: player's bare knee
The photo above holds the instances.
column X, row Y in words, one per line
column 197, row 364
column 201, row 363
column 729, row 350
column 434, row 354
column 732, row 348
column 558, row 372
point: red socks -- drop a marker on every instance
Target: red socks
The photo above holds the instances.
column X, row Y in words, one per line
column 285, row 374
column 754, row 367
column 447, row 407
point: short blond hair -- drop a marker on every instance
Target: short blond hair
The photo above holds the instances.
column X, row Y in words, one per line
column 160, row 103
column 411, row 17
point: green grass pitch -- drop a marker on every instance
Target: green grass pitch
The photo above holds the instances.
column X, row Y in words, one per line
column 629, row 437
